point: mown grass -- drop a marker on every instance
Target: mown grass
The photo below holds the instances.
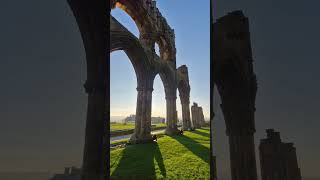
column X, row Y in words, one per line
column 122, row 141
column 184, row 156
column 126, row 140
column 127, row 126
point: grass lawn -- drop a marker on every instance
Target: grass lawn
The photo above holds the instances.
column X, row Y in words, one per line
column 184, row 157
column 121, row 126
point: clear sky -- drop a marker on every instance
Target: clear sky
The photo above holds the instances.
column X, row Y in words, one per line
column 191, row 22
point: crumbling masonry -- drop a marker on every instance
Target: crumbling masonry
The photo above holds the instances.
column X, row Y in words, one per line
column 278, row 160
column 197, row 116
column 91, row 17
column 153, row 29
column 236, row 83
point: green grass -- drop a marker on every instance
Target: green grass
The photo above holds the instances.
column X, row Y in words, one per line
column 121, row 126
column 122, row 141
column 184, row 156
column 126, row 140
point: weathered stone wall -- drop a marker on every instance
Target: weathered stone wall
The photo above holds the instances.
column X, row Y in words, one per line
column 152, row 25
column 153, row 28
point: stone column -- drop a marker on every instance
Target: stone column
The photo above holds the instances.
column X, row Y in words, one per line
column 171, row 115
column 199, row 117
column 93, row 166
column 195, row 115
column 145, row 130
column 202, row 122
column 186, row 122
column 240, row 130
column 142, row 131
column 242, row 155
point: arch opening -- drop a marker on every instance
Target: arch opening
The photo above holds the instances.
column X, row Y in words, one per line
column 126, row 20
column 123, row 83
column 158, row 112
column 157, row 49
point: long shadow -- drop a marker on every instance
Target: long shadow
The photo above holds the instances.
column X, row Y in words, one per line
column 201, row 133
column 158, row 156
column 195, row 147
column 137, row 162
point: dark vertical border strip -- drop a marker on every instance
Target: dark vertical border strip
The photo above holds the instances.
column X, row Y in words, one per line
column 212, row 168
column 107, row 107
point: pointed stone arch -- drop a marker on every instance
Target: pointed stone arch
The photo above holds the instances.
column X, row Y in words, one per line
column 90, row 17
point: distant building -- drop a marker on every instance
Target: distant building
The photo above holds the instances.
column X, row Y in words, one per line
column 278, row 159
column 70, row 173
column 157, row 120
column 154, row 120
column 130, row 119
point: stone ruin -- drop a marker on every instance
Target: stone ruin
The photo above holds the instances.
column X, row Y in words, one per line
column 153, row 27
column 237, row 85
column 278, row 160
column 197, row 116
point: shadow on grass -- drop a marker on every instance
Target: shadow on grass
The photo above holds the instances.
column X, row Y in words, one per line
column 195, row 147
column 201, row 133
column 137, row 162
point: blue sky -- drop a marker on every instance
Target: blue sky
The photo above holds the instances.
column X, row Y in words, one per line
column 191, row 22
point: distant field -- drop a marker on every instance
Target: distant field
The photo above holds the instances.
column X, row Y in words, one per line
column 184, row 156
column 121, row 126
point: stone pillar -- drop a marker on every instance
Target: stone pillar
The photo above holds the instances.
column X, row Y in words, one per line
column 237, row 85
column 184, row 93
column 242, row 155
column 278, row 160
column 240, row 130
column 142, row 131
column 202, row 122
column 198, row 117
column 93, row 166
column 186, row 122
column 195, row 115
column 171, row 115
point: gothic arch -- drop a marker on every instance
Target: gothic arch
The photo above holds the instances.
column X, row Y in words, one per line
column 168, row 78
column 152, row 25
column 122, row 39
column 90, row 17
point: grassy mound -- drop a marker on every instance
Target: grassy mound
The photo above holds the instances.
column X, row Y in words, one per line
column 184, row 156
